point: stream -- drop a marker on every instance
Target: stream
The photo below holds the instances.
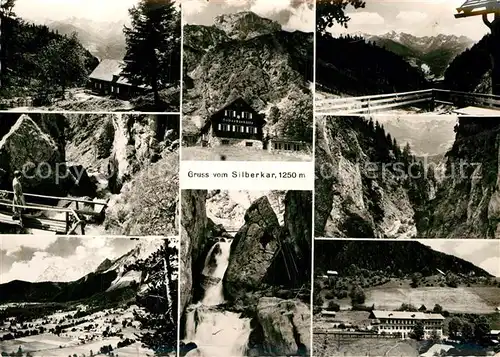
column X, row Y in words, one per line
column 216, row 332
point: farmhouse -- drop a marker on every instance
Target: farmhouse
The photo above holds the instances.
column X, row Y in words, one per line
column 107, row 79
column 403, row 322
column 237, row 123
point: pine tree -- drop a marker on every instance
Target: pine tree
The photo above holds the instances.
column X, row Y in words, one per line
column 153, row 45
column 160, row 300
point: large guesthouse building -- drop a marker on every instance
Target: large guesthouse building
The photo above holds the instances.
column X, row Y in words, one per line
column 403, row 322
column 237, row 123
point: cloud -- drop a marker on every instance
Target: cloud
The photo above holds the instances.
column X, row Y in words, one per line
column 411, row 16
column 366, row 18
column 193, row 7
column 59, row 259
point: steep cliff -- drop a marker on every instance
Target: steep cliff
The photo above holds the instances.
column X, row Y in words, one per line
column 467, row 203
column 246, row 56
column 366, row 186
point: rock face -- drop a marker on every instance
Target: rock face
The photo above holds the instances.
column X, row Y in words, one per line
column 245, row 25
column 244, row 55
column 30, row 150
column 193, row 240
column 286, row 326
column 467, row 203
column 253, row 249
column 359, row 192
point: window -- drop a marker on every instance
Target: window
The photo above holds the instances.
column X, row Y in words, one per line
column 242, row 129
column 250, row 115
column 234, row 128
column 226, row 113
column 225, row 142
column 275, row 146
column 254, row 130
column 249, row 144
column 248, row 129
column 219, row 127
column 118, row 90
column 234, row 113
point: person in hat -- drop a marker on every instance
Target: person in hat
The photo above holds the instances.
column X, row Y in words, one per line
column 18, row 197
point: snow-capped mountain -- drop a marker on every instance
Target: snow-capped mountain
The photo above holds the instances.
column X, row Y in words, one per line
column 432, row 54
column 102, row 39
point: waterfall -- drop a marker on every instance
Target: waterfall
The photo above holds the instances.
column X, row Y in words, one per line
column 216, row 332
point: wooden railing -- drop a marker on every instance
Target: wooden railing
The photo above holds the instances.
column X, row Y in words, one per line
column 382, row 102
column 74, row 218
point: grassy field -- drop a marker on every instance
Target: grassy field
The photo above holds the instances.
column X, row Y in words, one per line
column 328, row 346
column 235, row 153
column 69, row 342
column 480, row 300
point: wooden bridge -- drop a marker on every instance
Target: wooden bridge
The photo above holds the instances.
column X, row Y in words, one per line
column 60, row 220
column 427, row 98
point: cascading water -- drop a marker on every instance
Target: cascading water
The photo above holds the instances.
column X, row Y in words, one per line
column 216, row 332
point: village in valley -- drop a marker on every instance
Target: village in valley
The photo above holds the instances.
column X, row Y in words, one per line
column 75, row 304
column 377, row 308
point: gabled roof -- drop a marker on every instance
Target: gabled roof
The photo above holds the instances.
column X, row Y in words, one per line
column 229, row 104
column 106, row 69
column 405, row 315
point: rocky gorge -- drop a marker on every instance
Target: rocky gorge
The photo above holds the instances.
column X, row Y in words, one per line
column 121, row 159
column 251, row 286
column 368, row 186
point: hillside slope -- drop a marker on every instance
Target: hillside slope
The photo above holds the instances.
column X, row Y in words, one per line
column 361, row 189
column 39, row 62
column 246, row 56
column 354, row 75
column 408, row 257
column 469, row 72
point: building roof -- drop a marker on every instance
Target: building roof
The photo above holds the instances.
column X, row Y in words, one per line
column 110, row 70
column 405, row 315
column 106, row 69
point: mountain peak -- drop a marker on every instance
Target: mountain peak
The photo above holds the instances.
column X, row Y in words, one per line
column 245, row 25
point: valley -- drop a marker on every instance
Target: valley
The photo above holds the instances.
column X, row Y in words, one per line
column 369, row 298
column 123, row 306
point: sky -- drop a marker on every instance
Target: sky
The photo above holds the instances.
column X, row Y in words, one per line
column 417, row 17
column 483, row 253
column 291, row 14
column 36, row 258
column 96, row 10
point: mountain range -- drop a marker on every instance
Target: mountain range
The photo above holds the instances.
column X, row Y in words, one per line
column 105, row 40
column 111, row 277
column 432, row 54
column 426, row 136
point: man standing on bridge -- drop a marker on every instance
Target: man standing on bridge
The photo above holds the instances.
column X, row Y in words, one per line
column 18, row 197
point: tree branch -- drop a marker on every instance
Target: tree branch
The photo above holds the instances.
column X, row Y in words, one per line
column 487, row 22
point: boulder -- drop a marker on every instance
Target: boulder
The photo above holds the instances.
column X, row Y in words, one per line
column 286, row 326
column 253, row 249
column 30, row 150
